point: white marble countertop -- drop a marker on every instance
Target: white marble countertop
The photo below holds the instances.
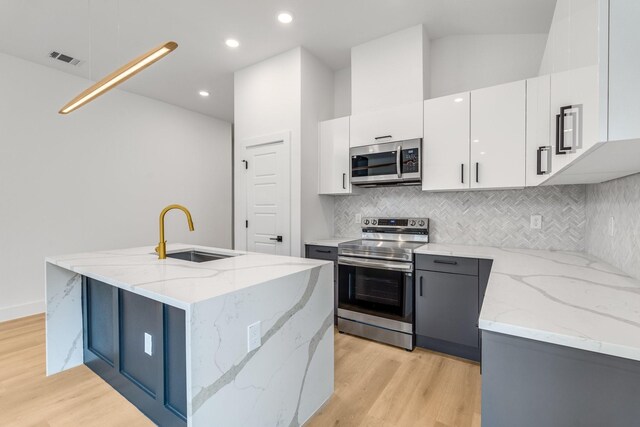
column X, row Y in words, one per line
column 181, row 283
column 566, row 298
column 333, row 242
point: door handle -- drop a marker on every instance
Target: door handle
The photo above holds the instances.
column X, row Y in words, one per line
column 462, row 173
column 277, row 238
column 477, row 172
column 344, row 176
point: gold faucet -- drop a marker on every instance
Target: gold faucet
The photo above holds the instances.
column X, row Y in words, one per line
column 162, row 246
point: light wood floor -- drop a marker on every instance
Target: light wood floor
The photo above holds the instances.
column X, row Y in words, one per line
column 375, row 385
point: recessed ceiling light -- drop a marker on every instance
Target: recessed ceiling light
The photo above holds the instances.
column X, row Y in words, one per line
column 285, row 17
column 232, row 43
column 204, row 93
column 458, row 100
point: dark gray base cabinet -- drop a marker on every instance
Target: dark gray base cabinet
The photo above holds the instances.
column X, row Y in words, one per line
column 327, row 253
column 449, row 294
column 529, row 383
column 115, row 325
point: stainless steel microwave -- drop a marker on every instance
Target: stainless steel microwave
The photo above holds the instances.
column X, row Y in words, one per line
column 391, row 163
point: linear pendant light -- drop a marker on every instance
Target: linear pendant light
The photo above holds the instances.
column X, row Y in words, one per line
column 120, row 75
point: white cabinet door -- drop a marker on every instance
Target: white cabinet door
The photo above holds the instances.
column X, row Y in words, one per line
column 391, row 124
column 624, row 66
column 334, row 160
column 498, row 136
column 445, row 148
column 539, row 153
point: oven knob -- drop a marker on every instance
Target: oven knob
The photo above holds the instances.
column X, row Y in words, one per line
column 413, row 222
column 421, row 223
column 374, row 222
column 366, row 222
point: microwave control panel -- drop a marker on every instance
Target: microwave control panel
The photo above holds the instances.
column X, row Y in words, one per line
column 410, row 161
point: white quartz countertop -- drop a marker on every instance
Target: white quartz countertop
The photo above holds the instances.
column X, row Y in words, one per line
column 333, row 242
column 181, row 283
column 566, row 298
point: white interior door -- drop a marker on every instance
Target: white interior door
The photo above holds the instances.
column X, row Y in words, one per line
column 268, row 194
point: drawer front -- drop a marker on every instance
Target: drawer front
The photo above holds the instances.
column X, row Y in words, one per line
column 447, row 264
column 322, row 252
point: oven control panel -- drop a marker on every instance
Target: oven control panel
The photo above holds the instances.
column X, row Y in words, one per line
column 395, row 222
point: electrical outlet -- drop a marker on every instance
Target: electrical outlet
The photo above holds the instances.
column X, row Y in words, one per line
column 148, row 344
column 536, row 222
column 358, row 218
column 612, row 226
column 254, row 336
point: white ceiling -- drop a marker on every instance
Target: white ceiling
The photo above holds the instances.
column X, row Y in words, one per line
column 108, row 33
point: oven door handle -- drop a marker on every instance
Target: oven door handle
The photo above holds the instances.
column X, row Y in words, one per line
column 376, row 263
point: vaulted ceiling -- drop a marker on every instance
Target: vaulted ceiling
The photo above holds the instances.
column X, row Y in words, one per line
column 105, row 34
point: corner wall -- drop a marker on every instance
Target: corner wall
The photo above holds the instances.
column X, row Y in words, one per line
column 98, row 178
column 619, row 199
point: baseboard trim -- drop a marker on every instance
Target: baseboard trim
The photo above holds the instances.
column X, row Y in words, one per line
column 21, row 310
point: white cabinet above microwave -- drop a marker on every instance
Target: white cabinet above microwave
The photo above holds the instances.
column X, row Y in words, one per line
column 398, row 123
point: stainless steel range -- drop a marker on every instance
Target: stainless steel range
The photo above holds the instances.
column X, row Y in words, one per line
column 375, row 280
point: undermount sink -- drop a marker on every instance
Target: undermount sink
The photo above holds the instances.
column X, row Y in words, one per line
column 197, row 256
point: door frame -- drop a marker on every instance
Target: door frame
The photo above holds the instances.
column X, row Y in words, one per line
column 240, row 187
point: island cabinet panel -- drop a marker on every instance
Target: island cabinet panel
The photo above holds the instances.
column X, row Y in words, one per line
column 449, row 294
column 140, row 321
column 100, row 316
column 137, row 345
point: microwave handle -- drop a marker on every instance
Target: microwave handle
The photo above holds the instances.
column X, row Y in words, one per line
column 398, row 161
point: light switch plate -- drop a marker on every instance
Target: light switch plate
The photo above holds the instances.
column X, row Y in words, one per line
column 536, row 222
column 148, row 344
column 254, row 336
column 358, row 218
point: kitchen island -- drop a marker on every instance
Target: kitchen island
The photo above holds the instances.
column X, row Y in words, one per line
column 198, row 364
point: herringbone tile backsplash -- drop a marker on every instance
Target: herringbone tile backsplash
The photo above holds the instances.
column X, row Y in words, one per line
column 491, row 218
column 619, row 199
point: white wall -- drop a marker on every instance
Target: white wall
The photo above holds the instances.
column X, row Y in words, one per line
column 266, row 101
column 97, row 178
column 342, row 92
column 467, row 62
column 317, row 105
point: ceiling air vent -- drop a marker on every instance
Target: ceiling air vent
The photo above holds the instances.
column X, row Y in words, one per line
column 64, row 58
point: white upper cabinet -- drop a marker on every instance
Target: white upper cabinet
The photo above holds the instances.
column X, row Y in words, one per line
column 498, row 136
column 389, row 82
column 624, row 70
column 397, row 123
column 445, row 146
column 592, row 58
column 334, row 159
column 539, row 149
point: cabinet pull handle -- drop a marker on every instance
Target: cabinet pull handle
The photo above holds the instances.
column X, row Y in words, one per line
column 545, row 150
column 382, row 137
column 462, row 173
column 420, row 285
column 323, row 251
column 344, row 176
column 477, row 172
column 440, row 261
